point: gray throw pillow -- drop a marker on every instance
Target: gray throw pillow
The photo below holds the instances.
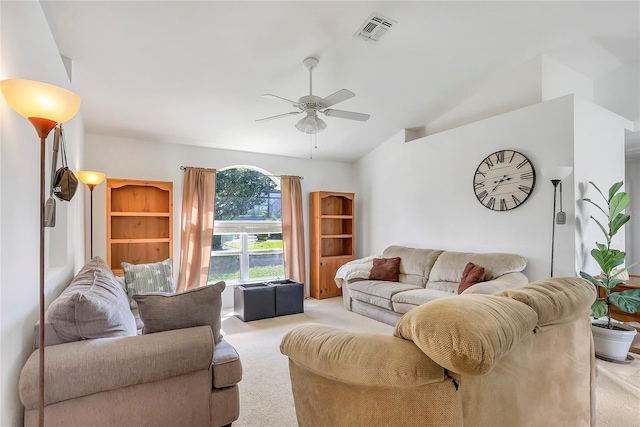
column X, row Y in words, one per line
column 152, row 277
column 94, row 305
column 195, row 307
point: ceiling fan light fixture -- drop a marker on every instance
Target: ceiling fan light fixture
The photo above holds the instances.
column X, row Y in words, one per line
column 311, row 124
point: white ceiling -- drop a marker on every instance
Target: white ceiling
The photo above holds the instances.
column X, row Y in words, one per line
column 192, row 72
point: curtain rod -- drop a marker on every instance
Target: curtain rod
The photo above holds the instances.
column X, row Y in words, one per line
column 272, row 176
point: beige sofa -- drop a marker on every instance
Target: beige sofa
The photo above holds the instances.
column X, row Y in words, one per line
column 425, row 275
column 178, row 377
column 521, row 357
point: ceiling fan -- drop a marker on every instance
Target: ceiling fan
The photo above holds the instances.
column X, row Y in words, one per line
column 312, row 105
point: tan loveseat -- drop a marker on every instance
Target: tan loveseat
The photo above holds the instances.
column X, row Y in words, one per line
column 425, row 275
column 517, row 358
column 178, row 377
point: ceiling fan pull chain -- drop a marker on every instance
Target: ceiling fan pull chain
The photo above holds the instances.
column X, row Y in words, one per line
column 310, row 147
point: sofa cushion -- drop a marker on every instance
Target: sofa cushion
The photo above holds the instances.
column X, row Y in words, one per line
column 201, row 306
column 385, row 269
column 404, row 301
column 556, row 300
column 377, row 292
column 150, row 277
column 450, row 265
column 471, row 275
column 415, row 264
column 94, row 305
column 468, row 334
column 227, row 369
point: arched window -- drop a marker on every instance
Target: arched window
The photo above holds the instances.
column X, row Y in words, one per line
column 247, row 234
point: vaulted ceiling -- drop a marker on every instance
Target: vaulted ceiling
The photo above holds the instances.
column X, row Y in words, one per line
column 192, row 72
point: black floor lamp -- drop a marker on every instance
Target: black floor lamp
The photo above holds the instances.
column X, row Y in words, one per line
column 556, row 175
column 91, row 179
column 45, row 106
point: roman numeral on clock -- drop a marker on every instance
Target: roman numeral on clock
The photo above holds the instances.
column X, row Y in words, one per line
column 478, row 184
column 503, row 205
column 500, row 157
column 491, row 203
column 488, row 162
column 483, row 195
column 524, row 189
column 516, row 200
column 526, row 175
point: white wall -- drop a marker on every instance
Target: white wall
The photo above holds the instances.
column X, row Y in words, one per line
column 559, row 80
column 515, row 88
column 632, row 186
column 619, row 91
column 28, row 51
column 599, row 157
column 131, row 159
column 421, row 194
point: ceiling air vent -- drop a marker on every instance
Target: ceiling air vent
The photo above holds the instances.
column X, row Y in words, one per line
column 374, row 28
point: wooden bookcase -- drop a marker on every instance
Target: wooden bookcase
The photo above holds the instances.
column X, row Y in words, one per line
column 332, row 239
column 139, row 222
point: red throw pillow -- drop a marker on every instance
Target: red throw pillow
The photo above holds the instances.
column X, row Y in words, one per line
column 471, row 275
column 385, row 269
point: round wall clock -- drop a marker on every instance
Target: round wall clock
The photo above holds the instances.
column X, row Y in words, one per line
column 504, row 180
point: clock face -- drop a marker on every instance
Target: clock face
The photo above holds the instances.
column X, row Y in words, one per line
column 504, row 180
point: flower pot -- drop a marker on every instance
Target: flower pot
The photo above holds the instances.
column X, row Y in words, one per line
column 612, row 343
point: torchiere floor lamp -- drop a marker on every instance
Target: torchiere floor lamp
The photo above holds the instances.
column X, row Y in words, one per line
column 45, row 106
column 91, row 179
column 556, row 175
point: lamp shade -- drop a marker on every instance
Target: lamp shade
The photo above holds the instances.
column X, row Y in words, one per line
column 311, row 124
column 90, row 177
column 33, row 99
column 556, row 172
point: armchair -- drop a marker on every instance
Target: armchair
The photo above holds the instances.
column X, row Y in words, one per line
column 519, row 357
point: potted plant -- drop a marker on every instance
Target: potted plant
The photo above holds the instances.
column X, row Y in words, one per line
column 612, row 340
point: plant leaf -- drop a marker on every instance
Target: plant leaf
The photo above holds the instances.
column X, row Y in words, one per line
column 614, row 189
column 618, row 203
column 607, row 259
column 592, row 279
column 618, row 221
column 627, row 301
column 598, row 308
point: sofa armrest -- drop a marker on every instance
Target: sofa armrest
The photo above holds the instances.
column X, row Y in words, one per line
column 360, row 359
column 506, row 281
column 86, row 367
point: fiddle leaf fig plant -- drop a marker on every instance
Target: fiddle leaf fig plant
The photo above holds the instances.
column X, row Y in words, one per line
column 608, row 259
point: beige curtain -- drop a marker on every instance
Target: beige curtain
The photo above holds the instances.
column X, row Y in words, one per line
column 198, row 202
column 293, row 229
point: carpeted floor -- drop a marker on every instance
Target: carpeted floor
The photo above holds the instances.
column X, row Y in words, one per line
column 265, row 390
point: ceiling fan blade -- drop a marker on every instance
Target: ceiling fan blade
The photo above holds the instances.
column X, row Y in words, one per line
column 278, row 116
column 347, row 115
column 279, row 98
column 339, row 96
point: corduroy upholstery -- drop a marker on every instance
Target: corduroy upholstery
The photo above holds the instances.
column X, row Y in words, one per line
column 520, row 358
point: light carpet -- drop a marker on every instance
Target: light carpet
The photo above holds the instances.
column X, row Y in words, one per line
column 265, row 389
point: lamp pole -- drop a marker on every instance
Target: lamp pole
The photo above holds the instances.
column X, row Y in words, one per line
column 555, row 183
column 45, row 106
column 91, row 179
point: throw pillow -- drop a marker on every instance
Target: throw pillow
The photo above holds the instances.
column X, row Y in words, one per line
column 152, row 277
column 195, row 307
column 471, row 275
column 94, row 305
column 385, row 269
